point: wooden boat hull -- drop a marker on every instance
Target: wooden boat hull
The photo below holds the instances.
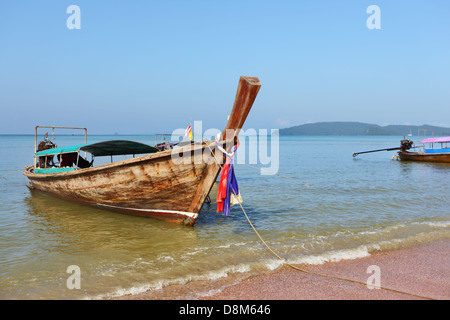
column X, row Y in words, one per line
column 150, row 185
column 153, row 185
column 424, row 157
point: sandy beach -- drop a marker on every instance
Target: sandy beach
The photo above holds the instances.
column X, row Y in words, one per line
column 420, row 272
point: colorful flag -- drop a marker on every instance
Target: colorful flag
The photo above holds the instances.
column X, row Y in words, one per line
column 222, row 191
column 188, row 132
column 228, row 193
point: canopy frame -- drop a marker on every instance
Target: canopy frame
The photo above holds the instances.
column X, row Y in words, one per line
column 53, row 128
column 104, row 148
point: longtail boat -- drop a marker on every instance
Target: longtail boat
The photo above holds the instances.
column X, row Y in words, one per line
column 428, row 152
column 425, row 151
column 152, row 184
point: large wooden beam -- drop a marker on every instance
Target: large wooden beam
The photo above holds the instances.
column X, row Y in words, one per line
column 248, row 88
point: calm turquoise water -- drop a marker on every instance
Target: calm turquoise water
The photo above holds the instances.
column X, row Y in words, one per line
column 347, row 208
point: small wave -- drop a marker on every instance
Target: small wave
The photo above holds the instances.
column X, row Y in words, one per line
column 336, row 255
column 166, row 259
column 273, row 264
column 213, row 275
column 315, row 250
column 439, row 224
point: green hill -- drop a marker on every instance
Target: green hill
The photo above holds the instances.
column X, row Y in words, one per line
column 360, row 129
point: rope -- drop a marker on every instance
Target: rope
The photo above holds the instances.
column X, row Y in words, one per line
column 316, row 273
column 307, row 271
column 11, row 173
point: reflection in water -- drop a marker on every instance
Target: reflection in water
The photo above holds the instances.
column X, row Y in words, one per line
column 93, row 226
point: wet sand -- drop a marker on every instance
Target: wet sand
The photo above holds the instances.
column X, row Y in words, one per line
column 420, row 272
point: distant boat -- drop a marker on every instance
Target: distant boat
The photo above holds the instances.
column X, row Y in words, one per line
column 428, row 151
column 149, row 185
column 410, row 133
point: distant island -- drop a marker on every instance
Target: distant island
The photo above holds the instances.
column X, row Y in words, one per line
column 360, row 129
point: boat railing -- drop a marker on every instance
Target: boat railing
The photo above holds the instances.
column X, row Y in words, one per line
column 432, row 144
column 53, row 129
column 421, row 148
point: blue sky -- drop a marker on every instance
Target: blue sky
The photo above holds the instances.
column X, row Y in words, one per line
column 138, row 67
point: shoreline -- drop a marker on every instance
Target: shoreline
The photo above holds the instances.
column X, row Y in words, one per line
column 418, row 272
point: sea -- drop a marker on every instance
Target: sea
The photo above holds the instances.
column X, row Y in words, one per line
column 321, row 204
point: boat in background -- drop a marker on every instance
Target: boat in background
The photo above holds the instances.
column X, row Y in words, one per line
column 428, row 152
column 150, row 185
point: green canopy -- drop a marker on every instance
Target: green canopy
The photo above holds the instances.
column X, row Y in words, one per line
column 60, row 150
column 117, row 147
column 105, row 148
